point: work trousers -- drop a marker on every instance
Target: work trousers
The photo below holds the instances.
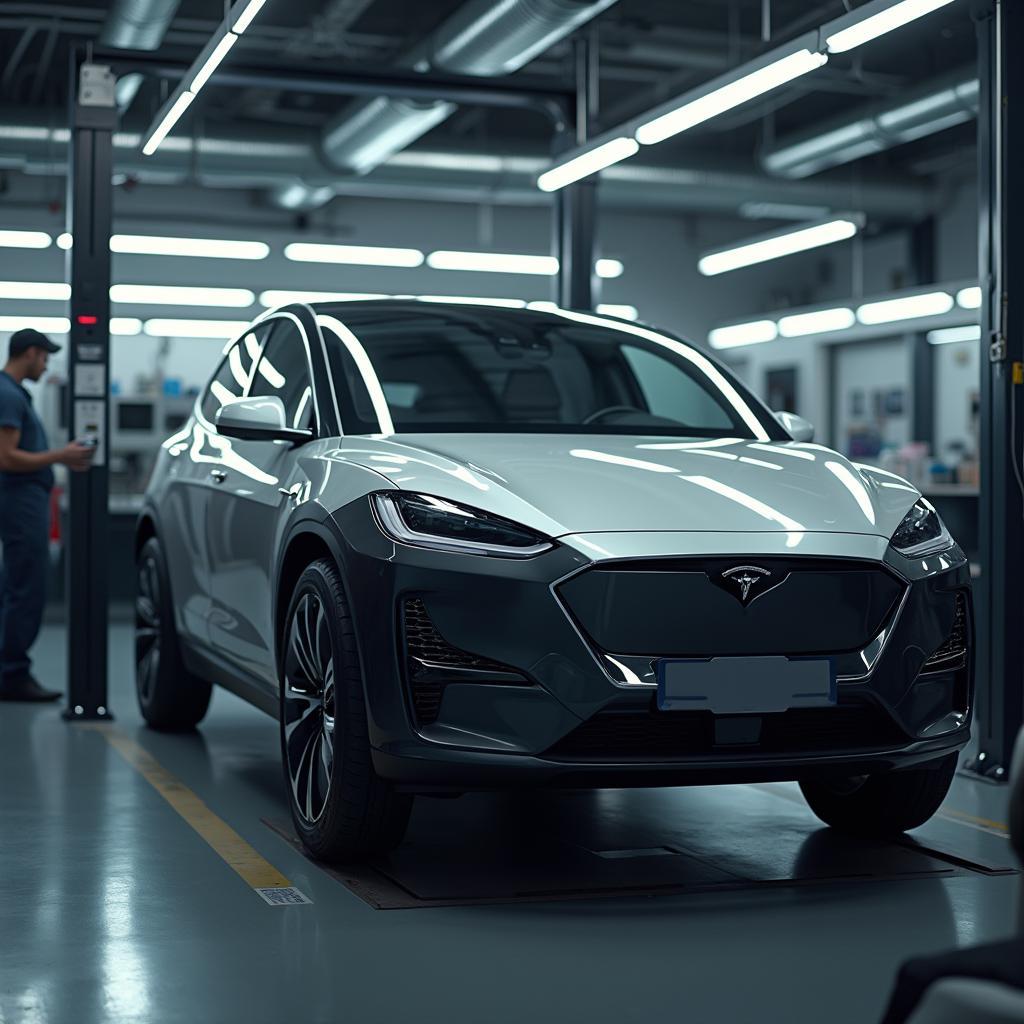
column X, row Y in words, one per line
column 24, row 535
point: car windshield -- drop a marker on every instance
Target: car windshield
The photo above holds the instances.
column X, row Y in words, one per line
column 411, row 369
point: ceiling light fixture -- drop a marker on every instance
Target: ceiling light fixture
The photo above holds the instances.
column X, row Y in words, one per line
column 46, row 324
column 609, row 269
column 125, row 325
column 214, row 248
column 714, row 99
column 947, row 335
column 219, row 52
column 361, row 255
column 174, row 295
column 820, row 321
column 623, row 312
column 25, row 240
column 211, row 329
column 169, row 120
column 907, row 307
column 589, row 162
column 44, row 290
column 493, row 262
column 752, row 333
column 969, row 298
column 874, row 20
column 248, row 11
column 777, row 244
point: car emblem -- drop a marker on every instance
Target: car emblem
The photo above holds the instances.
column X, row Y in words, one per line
column 746, row 578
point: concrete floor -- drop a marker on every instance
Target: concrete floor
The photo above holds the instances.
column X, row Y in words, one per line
column 113, row 909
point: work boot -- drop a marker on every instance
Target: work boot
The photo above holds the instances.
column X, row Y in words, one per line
column 26, row 688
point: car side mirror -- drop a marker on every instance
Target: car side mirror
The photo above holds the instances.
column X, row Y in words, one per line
column 257, row 419
column 796, row 426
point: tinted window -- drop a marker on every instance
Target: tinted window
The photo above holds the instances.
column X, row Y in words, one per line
column 233, row 374
column 448, row 369
column 284, row 371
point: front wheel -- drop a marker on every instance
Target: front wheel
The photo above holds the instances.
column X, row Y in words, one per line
column 885, row 804
column 341, row 808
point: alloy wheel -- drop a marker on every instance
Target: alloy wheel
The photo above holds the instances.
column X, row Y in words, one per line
column 309, row 707
column 147, row 628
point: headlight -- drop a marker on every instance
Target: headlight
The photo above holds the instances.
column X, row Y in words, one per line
column 922, row 532
column 430, row 522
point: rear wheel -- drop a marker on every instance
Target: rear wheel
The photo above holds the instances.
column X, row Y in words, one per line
column 341, row 808
column 885, row 804
column 170, row 697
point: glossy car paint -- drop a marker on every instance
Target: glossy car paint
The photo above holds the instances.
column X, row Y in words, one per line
column 228, row 510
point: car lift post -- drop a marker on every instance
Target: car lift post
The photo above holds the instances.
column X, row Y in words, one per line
column 575, row 206
column 94, row 118
column 1000, row 598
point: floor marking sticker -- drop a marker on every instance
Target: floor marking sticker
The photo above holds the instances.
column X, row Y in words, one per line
column 993, row 828
column 255, row 871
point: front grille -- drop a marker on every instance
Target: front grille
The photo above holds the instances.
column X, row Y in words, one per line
column 692, row 608
column 952, row 653
column 649, row 735
column 432, row 663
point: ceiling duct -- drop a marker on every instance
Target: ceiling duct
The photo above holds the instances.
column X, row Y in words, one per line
column 935, row 106
column 481, row 38
column 136, row 25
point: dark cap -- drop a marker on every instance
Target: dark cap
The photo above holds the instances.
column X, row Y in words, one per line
column 28, row 338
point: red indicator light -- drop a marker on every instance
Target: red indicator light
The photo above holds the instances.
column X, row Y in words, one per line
column 87, row 321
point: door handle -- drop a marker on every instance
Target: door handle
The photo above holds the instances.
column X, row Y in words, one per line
column 218, row 475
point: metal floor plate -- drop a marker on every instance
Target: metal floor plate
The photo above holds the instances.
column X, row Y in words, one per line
column 543, row 846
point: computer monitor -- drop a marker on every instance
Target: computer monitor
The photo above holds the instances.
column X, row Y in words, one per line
column 135, row 417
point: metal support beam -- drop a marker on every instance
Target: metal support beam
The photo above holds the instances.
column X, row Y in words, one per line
column 575, row 206
column 1000, row 661
column 922, row 246
column 94, row 118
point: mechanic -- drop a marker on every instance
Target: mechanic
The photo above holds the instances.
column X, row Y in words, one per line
column 26, row 480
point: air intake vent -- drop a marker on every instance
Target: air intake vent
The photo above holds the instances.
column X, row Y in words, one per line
column 953, row 653
column 432, row 663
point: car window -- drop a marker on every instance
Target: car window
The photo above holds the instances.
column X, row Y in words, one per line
column 284, row 371
column 234, row 373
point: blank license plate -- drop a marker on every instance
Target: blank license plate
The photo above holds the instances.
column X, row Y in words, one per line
column 732, row 686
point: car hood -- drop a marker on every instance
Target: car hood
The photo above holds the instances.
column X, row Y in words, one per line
column 594, row 483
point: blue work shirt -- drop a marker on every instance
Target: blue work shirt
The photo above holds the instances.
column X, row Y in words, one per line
column 16, row 411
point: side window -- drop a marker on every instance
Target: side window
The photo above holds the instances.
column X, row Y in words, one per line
column 674, row 394
column 284, row 371
column 235, row 371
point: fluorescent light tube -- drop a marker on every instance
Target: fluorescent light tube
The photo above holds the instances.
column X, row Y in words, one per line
column 947, row 335
column 212, row 329
column 25, row 240
column 969, row 298
column 173, row 295
column 725, row 97
column 214, row 248
column 244, row 20
column 623, row 312
column 908, row 307
column 64, row 240
column 274, row 297
column 473, row 300
column 361, row 255
column 752, row 333
column 46, row 324
column 821, row 321
column 178, row 108
column 608, row 269
column 493, row 262
column 125, row 325
column 590, row 162
column 220, row 51
column 893, row 16
column 44, row 290
column 784, row 244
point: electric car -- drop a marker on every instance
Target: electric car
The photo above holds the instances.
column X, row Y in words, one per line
column 459, row 547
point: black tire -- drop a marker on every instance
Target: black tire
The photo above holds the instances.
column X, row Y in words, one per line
column 170, row 697
column 343, row 811
column 882, row 805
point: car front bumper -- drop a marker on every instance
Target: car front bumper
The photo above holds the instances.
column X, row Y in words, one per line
column 544, row 706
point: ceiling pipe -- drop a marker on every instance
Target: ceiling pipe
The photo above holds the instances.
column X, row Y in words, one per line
column 136, row 25
column 938, row 104
column 481, row 38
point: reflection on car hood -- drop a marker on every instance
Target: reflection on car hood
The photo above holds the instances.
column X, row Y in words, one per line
column 594, row 483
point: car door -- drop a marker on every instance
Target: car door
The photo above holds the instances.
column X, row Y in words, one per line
column 185, row 506
column 251, row 504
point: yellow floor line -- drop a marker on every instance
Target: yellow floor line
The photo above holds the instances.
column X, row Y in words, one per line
column 963, row 818
column 254, row 870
